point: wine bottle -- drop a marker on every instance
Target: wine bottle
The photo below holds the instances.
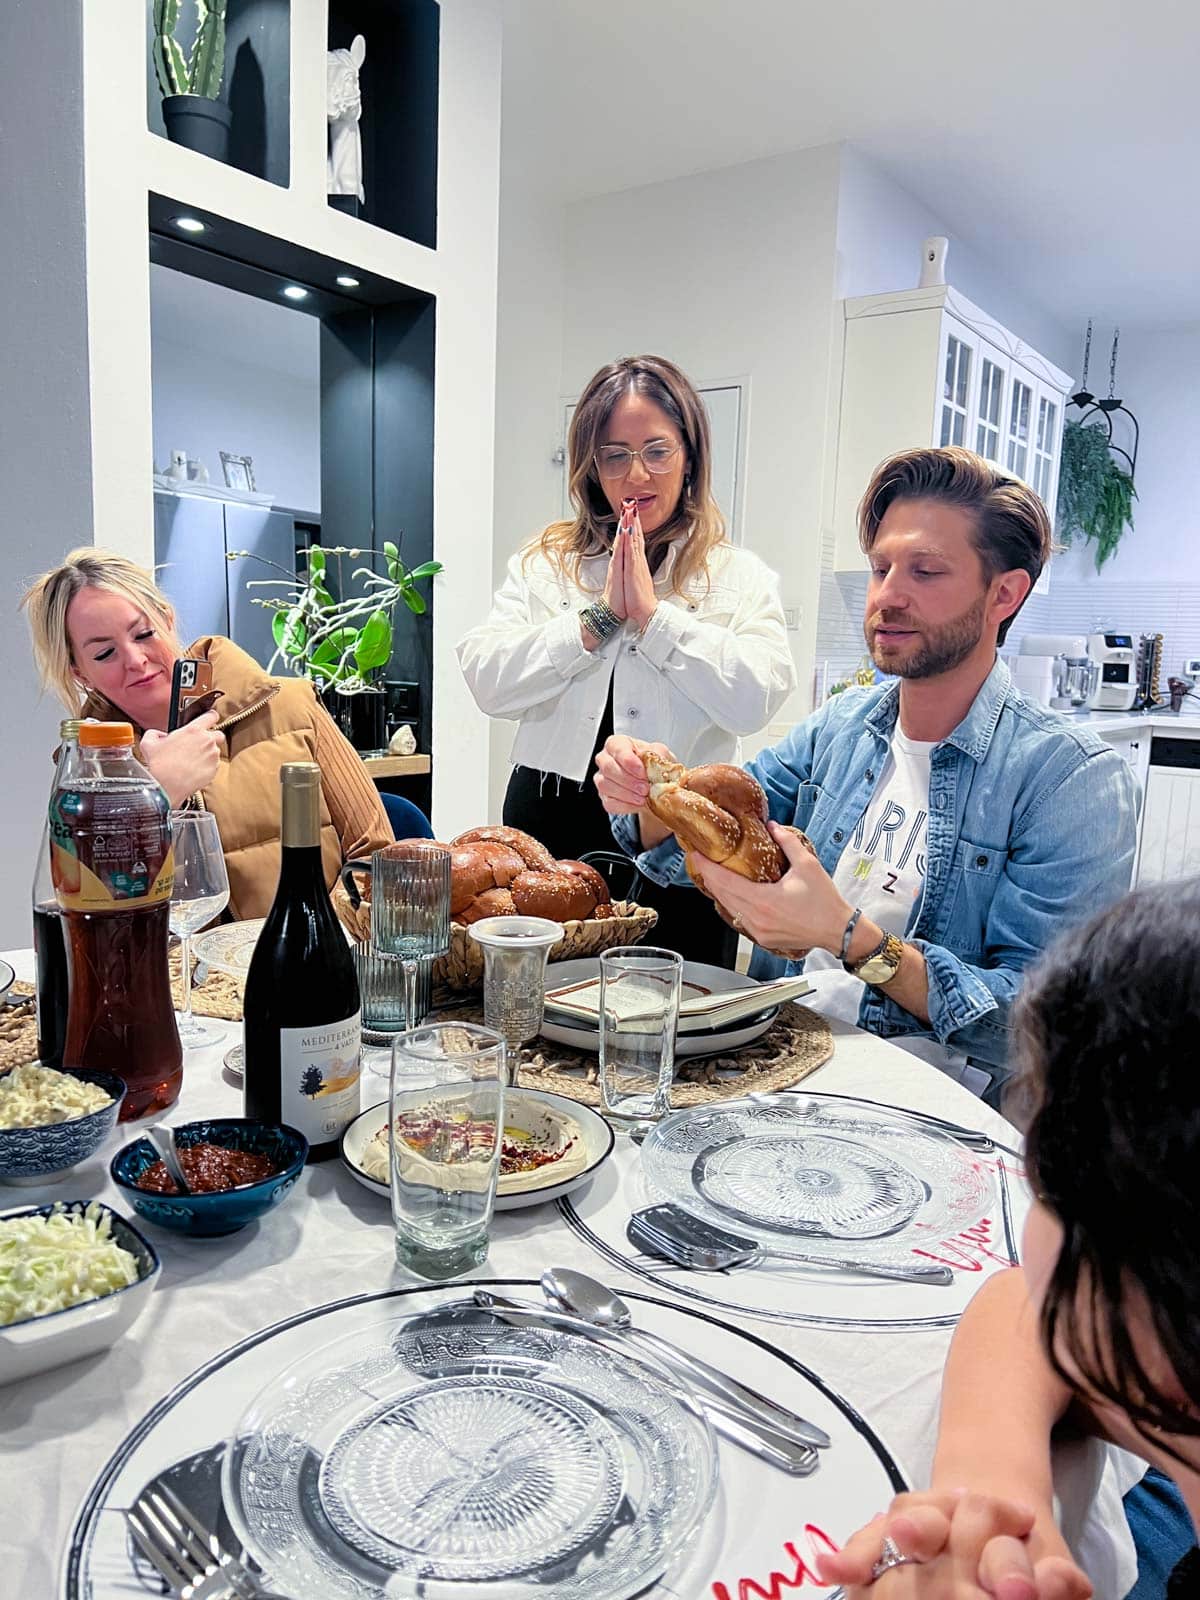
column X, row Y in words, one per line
column 303, row 1028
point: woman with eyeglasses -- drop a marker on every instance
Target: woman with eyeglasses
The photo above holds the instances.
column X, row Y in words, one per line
column 636, row 615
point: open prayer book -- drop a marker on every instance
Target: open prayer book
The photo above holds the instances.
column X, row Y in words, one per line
column 699, row 1007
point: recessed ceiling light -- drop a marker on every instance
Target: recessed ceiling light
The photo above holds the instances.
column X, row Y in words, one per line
column 345, row 281
column 293, row 291
column 189, row 224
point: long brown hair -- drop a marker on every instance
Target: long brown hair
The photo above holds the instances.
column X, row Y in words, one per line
column 590, row 531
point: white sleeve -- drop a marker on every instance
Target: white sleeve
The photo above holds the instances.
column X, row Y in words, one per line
column 739, row 673
column 511, row 662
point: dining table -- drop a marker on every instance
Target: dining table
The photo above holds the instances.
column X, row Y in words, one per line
column 332, row 1241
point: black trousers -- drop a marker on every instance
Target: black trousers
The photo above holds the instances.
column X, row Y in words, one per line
column 570, row 821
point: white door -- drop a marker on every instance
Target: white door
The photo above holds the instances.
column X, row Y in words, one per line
column 725, row 406
column 1018, row 425
column 991, row 385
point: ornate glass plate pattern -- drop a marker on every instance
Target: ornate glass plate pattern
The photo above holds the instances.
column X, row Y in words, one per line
column 816, row 1175
column 229, row 946
column 449, row 1455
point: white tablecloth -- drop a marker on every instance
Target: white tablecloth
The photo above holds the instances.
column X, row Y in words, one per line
column 332, row 1239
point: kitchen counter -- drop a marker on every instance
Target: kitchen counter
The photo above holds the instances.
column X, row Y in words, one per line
column 1183, row 724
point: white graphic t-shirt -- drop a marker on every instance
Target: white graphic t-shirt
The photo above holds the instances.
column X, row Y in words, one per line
column 882, row 869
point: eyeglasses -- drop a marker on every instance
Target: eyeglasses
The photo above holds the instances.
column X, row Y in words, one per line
column 615, row 461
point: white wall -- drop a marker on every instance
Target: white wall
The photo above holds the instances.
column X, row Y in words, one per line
column 235, row 373
column 880, row 230
column 45, row 427
column 1158, row 377
column 529, row 342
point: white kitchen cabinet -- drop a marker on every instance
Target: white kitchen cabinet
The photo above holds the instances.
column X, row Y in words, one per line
column 1134, row 748
column 1170, row 833
column 926, row 366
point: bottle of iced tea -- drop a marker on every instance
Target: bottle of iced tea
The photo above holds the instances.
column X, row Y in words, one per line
column 49, row 950
column 113, row 870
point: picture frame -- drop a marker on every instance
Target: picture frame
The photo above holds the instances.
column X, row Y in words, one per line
column 239, row 472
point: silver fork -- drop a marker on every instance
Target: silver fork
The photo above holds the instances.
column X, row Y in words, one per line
column 190, row 1559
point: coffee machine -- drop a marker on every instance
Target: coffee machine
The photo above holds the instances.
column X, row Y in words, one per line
column 1115, row 655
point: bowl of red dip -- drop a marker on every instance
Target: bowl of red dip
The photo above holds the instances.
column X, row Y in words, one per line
column 237, row 1169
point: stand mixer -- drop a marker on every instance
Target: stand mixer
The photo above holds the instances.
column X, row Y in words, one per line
column 1076, row 679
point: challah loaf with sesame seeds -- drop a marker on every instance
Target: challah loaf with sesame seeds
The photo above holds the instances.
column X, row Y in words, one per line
column 502, row 872
column 718, row 812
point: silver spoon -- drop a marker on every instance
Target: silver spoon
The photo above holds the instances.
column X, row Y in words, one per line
column 163, row 1140
column 594, row 1302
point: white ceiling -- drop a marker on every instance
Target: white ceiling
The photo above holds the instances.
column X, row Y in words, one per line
column 1059, row 139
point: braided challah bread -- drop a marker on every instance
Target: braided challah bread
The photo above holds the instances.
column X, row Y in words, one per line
column 502, row 872
column 718, row 813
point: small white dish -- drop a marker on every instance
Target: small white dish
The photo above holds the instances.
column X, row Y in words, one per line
column 235, row 1064
column 41, row 1343
column 698, row 975
column 597, row 1134
column 7, row 978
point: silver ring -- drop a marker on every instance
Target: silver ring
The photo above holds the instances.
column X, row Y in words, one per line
column 890, row 1556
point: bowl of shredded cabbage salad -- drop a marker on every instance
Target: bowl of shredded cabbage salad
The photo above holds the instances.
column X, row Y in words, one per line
column 73, row 1277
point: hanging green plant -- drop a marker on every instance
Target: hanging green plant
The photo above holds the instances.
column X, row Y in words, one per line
column 1095, row 495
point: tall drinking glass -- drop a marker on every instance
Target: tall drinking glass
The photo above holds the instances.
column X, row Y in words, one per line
column 410, row 906
column 201, row 893
column 446, row 1105
column 639, row 1013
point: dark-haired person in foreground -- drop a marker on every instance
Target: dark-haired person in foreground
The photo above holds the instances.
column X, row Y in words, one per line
column 1103, row 1315
column 958, row 826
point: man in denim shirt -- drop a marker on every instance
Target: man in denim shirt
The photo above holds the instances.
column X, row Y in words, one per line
column 958, row 826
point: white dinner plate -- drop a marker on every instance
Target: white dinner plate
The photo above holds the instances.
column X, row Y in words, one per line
column 707, row 1042
column 7, row 977
column 598, row 1138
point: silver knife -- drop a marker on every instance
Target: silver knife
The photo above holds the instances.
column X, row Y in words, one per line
column 726, row 1394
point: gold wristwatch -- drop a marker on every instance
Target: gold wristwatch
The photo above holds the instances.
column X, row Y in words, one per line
column 881, row 965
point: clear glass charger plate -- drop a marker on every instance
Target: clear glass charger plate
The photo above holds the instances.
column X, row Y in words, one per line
column 448, row 1454
column 818, row 1176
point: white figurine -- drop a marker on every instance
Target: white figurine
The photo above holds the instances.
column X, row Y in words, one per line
column 344, row 108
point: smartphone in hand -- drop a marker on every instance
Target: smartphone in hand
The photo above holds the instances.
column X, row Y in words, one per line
column 192, row 693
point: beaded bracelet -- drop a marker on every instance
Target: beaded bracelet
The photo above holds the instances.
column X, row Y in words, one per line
column 600, row 620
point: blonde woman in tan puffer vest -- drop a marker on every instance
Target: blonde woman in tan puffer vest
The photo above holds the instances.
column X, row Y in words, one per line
column 104, row 640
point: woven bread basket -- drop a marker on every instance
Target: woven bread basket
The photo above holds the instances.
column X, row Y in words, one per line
column 462, row 965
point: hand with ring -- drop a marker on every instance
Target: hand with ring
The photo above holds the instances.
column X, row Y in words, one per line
column 952, row 1546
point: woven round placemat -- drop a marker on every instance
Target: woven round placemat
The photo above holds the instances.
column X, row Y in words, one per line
column 219, row 996
column 797, row 1043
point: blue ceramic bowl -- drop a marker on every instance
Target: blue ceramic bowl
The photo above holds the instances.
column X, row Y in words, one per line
column 206, row 1216
column 33, row 1155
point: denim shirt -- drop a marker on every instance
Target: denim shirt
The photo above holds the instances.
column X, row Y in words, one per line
column 1031, row 829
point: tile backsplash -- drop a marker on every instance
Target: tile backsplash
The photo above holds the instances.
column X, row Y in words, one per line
column 1172, row 609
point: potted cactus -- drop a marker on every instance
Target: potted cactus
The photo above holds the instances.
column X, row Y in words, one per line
column 190, row 84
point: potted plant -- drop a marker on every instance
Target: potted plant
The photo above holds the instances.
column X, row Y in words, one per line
column 1095, row 495
column 342, row 644
column 190, row 85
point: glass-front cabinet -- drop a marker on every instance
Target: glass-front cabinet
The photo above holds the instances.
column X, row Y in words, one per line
column 990, row 392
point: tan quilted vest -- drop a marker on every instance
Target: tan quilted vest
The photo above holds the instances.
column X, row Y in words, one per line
column 266, row 722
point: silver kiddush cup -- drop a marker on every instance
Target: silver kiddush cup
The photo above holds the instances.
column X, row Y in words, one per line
column 515, row 950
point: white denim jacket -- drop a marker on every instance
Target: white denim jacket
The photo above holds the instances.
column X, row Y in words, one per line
column 712, row 662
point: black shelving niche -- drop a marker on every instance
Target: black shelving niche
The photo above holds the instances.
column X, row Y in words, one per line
column 256, row 87
column 399, row 125
column 377, row 408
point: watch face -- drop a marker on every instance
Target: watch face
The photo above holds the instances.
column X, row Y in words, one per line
column 876, row 970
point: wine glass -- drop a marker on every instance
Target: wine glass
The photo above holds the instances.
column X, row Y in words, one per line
column 201, row 893
column 410, row 907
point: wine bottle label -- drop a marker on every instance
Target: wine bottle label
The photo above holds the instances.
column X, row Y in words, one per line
column 319, row 1072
